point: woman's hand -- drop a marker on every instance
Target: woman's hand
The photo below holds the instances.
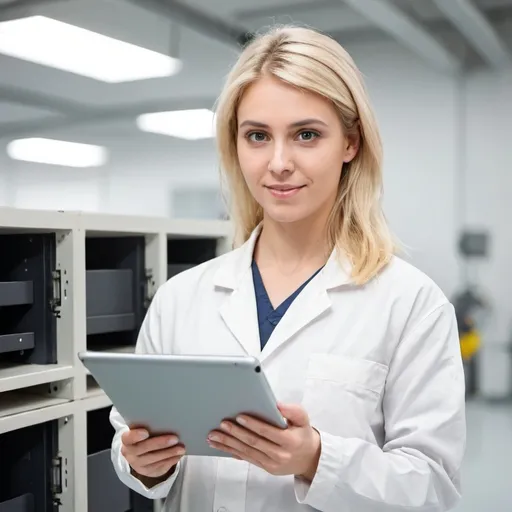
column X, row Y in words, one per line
column 151, row 457
column 294, row 451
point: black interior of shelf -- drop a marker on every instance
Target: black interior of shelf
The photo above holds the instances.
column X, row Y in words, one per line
column 115, row 285
column 25, row 468
column 106, row 493
column 23, row 503
column 27, row 323
column 184, row 253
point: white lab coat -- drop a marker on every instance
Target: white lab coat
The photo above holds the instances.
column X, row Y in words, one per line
column 377, row 367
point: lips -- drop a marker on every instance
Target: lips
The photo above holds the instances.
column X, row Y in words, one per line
column 284, row 188
column 284, row 191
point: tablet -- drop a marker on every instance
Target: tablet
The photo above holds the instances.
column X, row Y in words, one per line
column 184, row 395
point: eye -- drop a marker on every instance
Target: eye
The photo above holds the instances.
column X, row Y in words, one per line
column 308, row 135
column 256, row 137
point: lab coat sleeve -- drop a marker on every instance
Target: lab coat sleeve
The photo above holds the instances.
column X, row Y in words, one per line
column 148, row 342
column 417, row 469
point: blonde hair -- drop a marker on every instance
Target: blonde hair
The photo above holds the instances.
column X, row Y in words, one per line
column 313, row 62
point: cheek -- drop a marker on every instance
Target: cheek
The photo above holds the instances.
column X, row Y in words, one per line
column 324, row 170
column 252, row 165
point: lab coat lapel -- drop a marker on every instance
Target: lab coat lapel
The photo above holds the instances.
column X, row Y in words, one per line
column 240, row 315
column 308, row 305
column 239, row 310
column 312, row 302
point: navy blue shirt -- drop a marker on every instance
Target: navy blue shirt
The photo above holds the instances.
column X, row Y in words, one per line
column 268, row 317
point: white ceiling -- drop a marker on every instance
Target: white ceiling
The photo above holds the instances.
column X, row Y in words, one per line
column 33, row 96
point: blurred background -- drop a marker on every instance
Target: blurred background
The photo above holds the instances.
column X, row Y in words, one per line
column 105, row 106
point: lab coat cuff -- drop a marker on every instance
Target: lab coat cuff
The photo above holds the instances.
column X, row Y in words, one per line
column 317, row 493
column 157, row 492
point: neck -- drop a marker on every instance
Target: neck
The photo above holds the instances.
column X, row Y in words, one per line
column 291, row 246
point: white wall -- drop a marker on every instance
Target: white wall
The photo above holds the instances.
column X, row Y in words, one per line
column 416, row 111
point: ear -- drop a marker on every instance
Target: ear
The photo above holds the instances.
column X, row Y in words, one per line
column 352, row 143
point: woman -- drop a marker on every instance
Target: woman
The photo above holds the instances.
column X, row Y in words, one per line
column 360, row 348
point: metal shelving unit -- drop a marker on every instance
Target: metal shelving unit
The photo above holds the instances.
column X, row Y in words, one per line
column 71, row 281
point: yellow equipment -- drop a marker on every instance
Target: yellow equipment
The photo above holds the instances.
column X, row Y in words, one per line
column 470, row 344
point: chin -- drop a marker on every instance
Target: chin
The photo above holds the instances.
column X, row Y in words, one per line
column 286, row 217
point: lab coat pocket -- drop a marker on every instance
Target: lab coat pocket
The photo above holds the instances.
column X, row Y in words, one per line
column 342, row 393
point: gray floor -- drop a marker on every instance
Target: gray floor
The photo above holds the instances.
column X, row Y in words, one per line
column 487, row 473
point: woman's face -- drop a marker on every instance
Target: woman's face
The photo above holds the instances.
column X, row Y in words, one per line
column 291, row 150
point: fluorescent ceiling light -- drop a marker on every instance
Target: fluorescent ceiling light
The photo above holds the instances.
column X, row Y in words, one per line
column 76, row 50
column 57, row 152
column 184, row 124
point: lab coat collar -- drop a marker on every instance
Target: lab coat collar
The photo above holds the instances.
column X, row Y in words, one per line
column 337, row 271
column 239, row 310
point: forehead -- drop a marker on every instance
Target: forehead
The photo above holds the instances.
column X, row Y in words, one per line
column 271, row 100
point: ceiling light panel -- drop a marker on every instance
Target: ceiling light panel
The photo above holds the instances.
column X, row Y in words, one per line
column 59, row 45
column 184, row 124
column 57, row 152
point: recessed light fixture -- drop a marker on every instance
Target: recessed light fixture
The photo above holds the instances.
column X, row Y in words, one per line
column 63, row 46
column 57, row 152
column 185, row 124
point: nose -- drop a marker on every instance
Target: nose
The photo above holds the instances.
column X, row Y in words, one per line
column 281, row 159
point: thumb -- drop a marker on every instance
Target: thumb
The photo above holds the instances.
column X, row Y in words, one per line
column 295, row 414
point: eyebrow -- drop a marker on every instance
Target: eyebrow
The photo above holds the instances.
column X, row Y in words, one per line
column 297, row 124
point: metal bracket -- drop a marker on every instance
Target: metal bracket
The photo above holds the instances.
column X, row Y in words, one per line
column 56, row 299
column 56, row 480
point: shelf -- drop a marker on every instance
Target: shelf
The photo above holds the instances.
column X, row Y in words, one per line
column 16, row 293
column 17, row 402
column 98, row 224
column 24, row 503
column 23, row 376
column 44, row 221
column 110, row 323
column 18, row 410
column 109, row 267
column 96, row 400
column 191, row 228
column 16, row 342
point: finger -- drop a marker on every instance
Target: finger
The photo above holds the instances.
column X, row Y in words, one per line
column 154, row 444
column 135, row 436
column 160, row 468
column 274, row 434
column 243, row 450
column 235, row 453
column 155, row 457
column 294, row 413
column 251, row 438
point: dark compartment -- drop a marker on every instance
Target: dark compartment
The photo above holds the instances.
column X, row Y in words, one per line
column 23, row 503
column 27, row 313
column 185, row 253
column 110, row 301
column 176, row 268
column 116, row 288
column 26, row 467
column 106, row 493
